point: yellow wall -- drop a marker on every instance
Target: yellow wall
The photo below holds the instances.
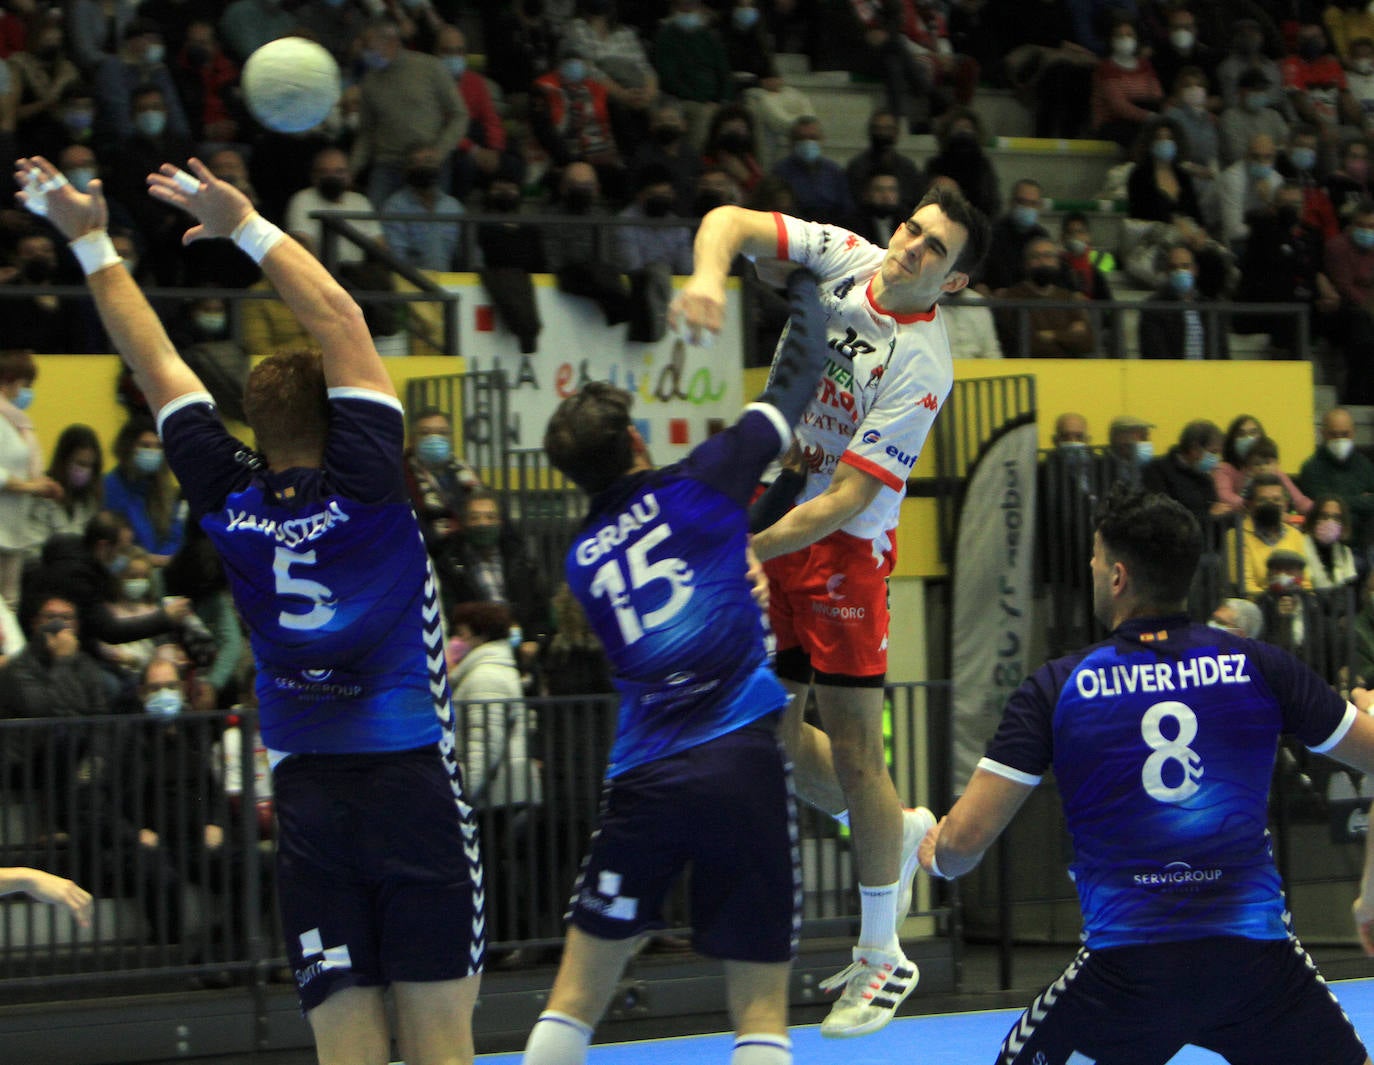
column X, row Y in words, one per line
column 1168, row 393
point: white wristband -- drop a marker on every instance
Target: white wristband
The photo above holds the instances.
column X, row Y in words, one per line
column 935, row 870
column 256, row 236
column 95, row 251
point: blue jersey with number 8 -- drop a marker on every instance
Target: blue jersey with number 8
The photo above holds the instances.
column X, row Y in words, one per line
column 329, row 574
column 1162, row 741
column 659, row 567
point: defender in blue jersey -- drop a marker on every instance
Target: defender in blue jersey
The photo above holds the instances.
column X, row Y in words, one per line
column 378, row 869
column 697, row 774
column 1163, row 739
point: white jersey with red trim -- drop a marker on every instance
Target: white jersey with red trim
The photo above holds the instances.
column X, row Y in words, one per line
column 885, row 379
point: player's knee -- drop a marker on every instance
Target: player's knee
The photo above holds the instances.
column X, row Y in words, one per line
column 858, row 759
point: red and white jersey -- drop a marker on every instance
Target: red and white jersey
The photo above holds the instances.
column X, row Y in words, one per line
column 885, row 379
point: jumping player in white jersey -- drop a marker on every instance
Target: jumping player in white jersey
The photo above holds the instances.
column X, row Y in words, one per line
column 888, row 372
column 378, row 868
column 697, row 775
column 1162, row 739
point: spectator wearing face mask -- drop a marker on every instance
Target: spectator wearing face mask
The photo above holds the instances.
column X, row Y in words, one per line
column 572, row 119
column 882, row 155
column 730, row 146
column 1185, row 472
column 692, row 66
column 638, row 246
column 880, row 210
column 1246, row 186
column 140, row 490
column 1359, row 74
column 1160, row 186
column 1126, row 91
column 1182, row 49
column 1247, row 53
column 39, row 78
column 1200, row 145
column 1089, row 266
column 1239, row 617
column 1298, row 165
column 22, row 480
column 482, row 150
column 1314, row 82
column 959, row 134
column 1336, row 468
column 819, row 184
column 1262, row 532
column 667, row 147
column 1250, row 115
column 1326, row 545
column 1068, row 495
column 1245, row 440
column 1050, row 332
column 1005, row 264
column 1292, row 613
column 330, row 190
column 1348, row 185
column 77, row 460
column 434, row 243
column 1129, row 450
column 1188, row 332
column 1349, row 265
column 119, row 79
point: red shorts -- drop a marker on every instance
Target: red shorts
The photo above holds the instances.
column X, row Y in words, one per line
column 830, row 599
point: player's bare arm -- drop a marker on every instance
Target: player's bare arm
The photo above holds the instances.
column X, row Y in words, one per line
column 699, row 308
column 987, row 806
column 324, row 309
column 133, row 326
column 849, row 493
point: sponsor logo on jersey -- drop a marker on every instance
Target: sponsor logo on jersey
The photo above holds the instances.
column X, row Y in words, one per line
column 1178, row 875
column 901, row 456
column 851, row 345
column 838, row 373
column 640, row 513
column 830, row 396
column 844, row 288
column 872, row 436
column 928, row 401
column 832, row 586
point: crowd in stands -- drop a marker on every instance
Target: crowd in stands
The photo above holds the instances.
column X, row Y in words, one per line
column 1290, row 559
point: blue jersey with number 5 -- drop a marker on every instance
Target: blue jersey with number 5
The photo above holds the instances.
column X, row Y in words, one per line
column 1162, row 740
column 329, row 574
column 659, row 566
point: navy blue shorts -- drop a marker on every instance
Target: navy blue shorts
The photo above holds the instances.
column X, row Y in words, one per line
column 725, row 808
column 379, row 874
column 1254, row 1002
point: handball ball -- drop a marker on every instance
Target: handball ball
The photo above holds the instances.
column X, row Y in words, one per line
column 290, row 84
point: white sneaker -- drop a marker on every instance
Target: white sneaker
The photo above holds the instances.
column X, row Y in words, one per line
column 915, row 824
column 875, row 984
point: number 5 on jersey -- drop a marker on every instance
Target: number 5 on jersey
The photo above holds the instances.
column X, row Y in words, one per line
column 610, row 582
column 320, row 596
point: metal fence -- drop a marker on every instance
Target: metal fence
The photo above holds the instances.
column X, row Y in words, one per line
column 168, row 822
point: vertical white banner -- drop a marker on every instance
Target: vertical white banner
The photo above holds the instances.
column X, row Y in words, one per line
column 992, row 590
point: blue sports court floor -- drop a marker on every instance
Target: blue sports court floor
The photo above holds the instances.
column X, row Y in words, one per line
column 951, row 1039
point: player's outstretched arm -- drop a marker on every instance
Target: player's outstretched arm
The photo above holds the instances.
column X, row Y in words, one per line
column 958, row 842
column 131, row 323
column 699, row 309
column 328, row 313
column 792, row 381
column 849, row 492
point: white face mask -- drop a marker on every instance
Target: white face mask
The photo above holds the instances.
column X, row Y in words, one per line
column 1340, row 449
column 1123, row 47
column 1182, row 39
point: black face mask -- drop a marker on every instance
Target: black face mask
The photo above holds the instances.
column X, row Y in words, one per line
column 881, row 142
column 332, row 188
column 658, row 206
column 707, row 200
column 503, row 201
column 422, row 177
column 48, row 53
column 734, row 142
column 666, row 135
column 1268, row 514
column 1288, row 216
column 577, row 201
column 38, row 271
column 1044, row 275
column 198, row 54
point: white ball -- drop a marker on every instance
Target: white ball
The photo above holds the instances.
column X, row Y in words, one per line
column 290, row 84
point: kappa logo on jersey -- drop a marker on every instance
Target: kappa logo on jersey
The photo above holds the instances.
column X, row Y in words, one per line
column 928, row 401
column 832, row 586
column 851, row 242
column 875, row 375
column 851, row 346
column 872, row 436
column 843, row 288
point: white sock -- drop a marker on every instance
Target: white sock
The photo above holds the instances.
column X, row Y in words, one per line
column 879, row 923
column 557, row 1039
column 762, row 1050
column 842, row 817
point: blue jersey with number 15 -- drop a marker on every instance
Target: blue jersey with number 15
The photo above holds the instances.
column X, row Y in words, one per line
column 659, row 567
column 329, row 573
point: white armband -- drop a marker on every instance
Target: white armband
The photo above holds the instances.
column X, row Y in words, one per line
column 256, row 236
column 95, row 251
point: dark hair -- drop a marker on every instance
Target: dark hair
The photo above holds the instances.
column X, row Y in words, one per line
column 489, row 620
column 104, row 527
column 1228, row 446
column 729, row 113
column 586, row 438
column 429, row 412
column 958, row 209
column 1264, row 480
column 1263, row 448
column 1309, row 523
column 1198, row 433
column 1140, row 152
column 75, row 438
column 147, row 88
column 161, row 495
column 1157, row 540
column 1069, row 218
column 17, row 366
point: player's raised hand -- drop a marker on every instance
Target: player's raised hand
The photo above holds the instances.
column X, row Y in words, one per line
column 45, row 192
column 925, row 853
column 216, row 205
column 698, row 311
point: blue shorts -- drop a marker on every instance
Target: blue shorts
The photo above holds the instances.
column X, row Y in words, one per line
column 1254, row 1002
column 379, row 875
column 725, row 808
